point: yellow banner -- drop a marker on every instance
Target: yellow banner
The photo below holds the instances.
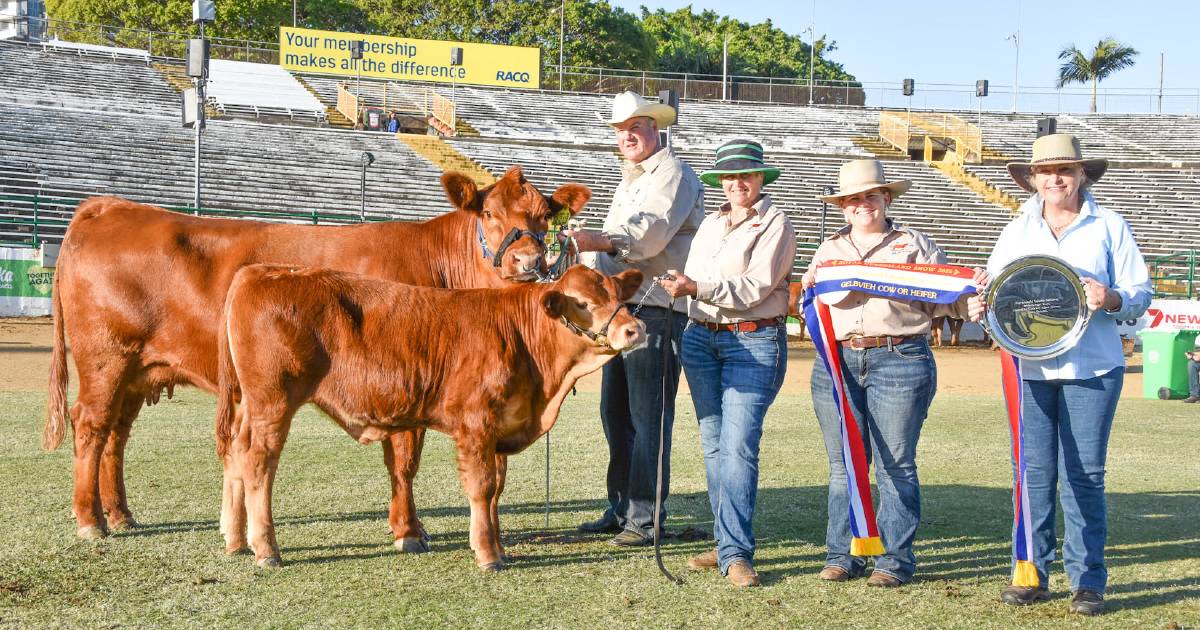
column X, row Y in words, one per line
column 328, row 52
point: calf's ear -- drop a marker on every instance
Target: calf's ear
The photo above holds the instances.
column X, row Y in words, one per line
column 572, row 197
column 628, row 282
column 554, row 303
column 461, row 191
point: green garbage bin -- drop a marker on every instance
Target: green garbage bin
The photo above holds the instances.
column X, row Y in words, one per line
column 1164, row 367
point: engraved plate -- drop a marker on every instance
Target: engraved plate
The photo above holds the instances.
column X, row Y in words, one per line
column 1037, row 308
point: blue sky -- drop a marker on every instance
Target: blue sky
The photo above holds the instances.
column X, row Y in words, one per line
column 945, row 41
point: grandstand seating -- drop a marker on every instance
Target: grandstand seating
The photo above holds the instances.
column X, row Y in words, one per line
column 109, row 122
column 31, row 76
column 246, row 166
column 257, row 90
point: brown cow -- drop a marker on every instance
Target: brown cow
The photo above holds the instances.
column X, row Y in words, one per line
column 488, row 367
column 139, row 291
column 796, row 305
column 937, row 330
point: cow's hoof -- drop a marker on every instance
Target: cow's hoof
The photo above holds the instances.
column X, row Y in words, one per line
column 425, row 535
column 91, row 532
column 412, row 544
column 234, row 549
column 492, row 567
column 122, row 525
column 270, row 562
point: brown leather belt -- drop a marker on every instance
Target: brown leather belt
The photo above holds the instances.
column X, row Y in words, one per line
column 739, row 326
column 862, row 343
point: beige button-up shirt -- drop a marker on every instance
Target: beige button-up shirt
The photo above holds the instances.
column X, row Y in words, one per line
column 655, row 212
column 742, row 271
column 864, row 315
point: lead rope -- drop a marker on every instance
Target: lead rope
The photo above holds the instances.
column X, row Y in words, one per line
column 662, row 434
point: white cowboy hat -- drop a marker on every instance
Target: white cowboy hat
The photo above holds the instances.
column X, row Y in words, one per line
column 628, row 105
column 858, row 176
column 1056, row 148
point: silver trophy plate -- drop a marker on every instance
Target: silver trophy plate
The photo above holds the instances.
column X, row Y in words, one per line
column 1036, row 307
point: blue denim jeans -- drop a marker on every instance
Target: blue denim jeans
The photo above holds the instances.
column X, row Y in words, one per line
column 890, row 391
column 734, row 377
column 1194, row 378
column 1066, row 425
column 631, row 402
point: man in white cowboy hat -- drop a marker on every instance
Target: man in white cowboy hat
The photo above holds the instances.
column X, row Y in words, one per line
column 654, row 214
column 888, row 374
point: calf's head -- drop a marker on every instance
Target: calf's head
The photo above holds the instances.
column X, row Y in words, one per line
column 592, row 305
column 514, row 217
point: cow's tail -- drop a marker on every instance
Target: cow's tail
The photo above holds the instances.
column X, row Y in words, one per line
column 57, row 414
column 227, row 383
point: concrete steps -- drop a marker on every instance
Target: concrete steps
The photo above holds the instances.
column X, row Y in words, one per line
column 332, row 115
column 447, row 158
column 879, row 148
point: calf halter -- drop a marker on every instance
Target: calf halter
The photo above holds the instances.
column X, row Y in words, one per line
column 600, row 338
column 513, row 236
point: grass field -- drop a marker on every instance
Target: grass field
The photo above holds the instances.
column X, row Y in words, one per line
column 340, row 569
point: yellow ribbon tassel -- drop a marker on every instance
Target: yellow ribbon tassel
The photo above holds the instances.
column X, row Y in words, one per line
column 1024, row 574
column 866, row 546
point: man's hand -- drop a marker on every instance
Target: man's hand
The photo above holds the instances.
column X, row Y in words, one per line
column 678, row 285
column 1100, row 297
column 590, row 241
column 808, row 279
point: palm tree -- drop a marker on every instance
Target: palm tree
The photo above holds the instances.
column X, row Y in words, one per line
column 1109, row 56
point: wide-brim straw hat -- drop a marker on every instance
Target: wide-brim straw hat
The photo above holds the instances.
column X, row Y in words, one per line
column 739, row 156
column 857, row 176
column 628, row 105
column 1056, row 148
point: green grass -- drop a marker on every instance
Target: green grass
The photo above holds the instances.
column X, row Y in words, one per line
column 340, row 569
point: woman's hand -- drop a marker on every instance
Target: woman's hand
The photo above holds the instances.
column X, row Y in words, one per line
column 678, row 285
column 1100, row 297
column 976, row 306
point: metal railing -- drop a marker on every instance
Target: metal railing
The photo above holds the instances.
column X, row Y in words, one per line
column 40, row 224
column 1174, row 275
column 882, row 94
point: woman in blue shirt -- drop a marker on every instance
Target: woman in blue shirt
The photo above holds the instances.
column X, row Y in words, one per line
column 1068, row 402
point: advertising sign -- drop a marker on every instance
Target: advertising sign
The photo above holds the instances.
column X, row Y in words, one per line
column 328, row 52
column 24, row 283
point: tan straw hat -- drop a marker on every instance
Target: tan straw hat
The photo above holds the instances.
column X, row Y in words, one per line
column 858, row 176
column 1056, row 148
column 628, row 105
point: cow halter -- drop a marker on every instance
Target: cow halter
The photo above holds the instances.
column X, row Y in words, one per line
column 598, row 338
column 513, row 236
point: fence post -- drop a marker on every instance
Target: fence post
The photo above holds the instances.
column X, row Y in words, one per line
column 35, row 218
column 643, row 82
column 685, row 87
column 1192, row 274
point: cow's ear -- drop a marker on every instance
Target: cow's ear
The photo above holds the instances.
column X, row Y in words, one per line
column 572, row 196
column 555, row 304
column 628, row 282
column 461, row 191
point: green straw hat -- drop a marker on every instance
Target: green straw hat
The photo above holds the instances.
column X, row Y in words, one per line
column 739, row 156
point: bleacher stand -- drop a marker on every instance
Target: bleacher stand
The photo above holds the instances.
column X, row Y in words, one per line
column 257, row 90
column 111, row 52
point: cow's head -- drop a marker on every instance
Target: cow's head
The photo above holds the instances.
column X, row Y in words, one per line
column 514, row 216
column 592, row 305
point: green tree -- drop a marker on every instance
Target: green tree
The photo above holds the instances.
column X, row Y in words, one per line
column 1109, row 56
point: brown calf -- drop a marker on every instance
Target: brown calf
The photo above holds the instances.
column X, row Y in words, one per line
column 139, row 291
column 488, row 367
column 937, row 331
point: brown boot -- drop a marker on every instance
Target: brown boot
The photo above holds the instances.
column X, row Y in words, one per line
column 834, row 574
column 704, row 561
column 884, row 580
column 741, row 574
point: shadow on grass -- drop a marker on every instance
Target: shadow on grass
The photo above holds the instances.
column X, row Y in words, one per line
column 964, row 535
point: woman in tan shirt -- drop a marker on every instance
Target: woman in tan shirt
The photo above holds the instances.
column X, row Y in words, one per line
column 734, row 349
column 889, row 373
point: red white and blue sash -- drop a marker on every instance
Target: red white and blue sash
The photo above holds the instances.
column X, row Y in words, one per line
column 1024, row 572
column 942, row 284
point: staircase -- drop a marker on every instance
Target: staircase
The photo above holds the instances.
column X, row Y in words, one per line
column 178, row 79
column 332, row 116
column 879, row 148
column 988, row 192
column 447, row 158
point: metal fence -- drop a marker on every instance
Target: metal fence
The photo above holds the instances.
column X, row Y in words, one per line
column 885, row 94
